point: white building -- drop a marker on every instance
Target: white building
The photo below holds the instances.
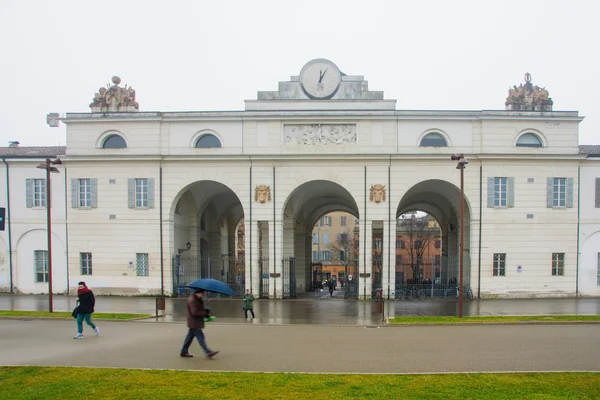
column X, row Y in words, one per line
column 156, row 198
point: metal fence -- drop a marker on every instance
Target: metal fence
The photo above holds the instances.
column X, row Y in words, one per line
column 189, row 268
column 435, row 277
column 288, row 268
column 263, row 267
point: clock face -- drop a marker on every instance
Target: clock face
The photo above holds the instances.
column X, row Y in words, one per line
column 320, row 79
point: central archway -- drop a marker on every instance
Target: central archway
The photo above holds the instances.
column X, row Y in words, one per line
column 302, row 209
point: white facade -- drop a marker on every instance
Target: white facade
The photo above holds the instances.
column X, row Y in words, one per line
column 315, row 156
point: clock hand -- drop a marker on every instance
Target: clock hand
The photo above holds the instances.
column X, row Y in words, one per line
column 322, row 74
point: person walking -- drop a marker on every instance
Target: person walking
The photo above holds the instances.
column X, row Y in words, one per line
column 87, row 301
column 331, row 286
column 248, row 303
column 195, row 322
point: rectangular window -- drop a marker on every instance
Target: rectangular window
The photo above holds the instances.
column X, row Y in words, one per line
column 142, row 264
column 418, row 244
column 315, row 238
column 343, row 238
column 85, row 193
column 378, row 243
column 342, row 255
column 499, row 264
column 40, row 258
column 343, row 220
column 560, row 192
column 326, row 255
column 85, row 260
column 315, row 255
column 558, row 264
column 500, row 192
column 326, row 238
column 399, row 244
column 141, row 192
column 438, row 244
column 399, row 259
column 326, row 221
column 39, row 193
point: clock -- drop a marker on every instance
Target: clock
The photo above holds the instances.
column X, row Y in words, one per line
column 320, row 79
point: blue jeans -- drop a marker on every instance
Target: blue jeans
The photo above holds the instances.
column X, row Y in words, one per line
column 88, row 320
column 190, row 338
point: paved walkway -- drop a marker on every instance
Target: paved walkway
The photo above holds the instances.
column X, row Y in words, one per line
column 307, row 348
column 320, row 310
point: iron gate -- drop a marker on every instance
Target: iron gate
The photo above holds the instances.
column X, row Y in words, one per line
column 288, row 266
column 189, row 268
column 263, row 267
column 431, row 277
column 351, row 280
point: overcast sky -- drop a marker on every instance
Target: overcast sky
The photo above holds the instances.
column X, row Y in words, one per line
column 213, row 55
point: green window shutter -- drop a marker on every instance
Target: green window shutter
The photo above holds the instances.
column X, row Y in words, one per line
column 597, row 192
column 131, row 192
column 94, row 193
column 550, row 192
column 490, row 192
column 150, row 192
column 29, row 193
column 510, row 192
column 74, row 193
column 569, row 192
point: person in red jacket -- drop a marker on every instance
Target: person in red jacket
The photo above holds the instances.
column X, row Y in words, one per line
column 87, row 301
column 195, row 322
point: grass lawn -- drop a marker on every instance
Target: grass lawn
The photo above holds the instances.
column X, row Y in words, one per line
column 493, row 319
column 67, row 314
column 95, row 383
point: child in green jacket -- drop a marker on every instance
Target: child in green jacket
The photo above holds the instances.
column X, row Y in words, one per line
column 248, row 303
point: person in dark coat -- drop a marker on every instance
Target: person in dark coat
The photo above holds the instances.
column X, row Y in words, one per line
column 87, row 301
column 331, row 285
column 195, row 322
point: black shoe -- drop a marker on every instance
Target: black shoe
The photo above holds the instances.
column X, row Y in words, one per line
column 185, row 355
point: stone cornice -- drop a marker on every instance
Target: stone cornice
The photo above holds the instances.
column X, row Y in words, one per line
column 322, row 115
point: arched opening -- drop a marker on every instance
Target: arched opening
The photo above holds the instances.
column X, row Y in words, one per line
column 529, row 140
column 433, row 139
column 208, row 213
column 318, row 205
column 427, row 241
column 114, row 142
column 207, row 141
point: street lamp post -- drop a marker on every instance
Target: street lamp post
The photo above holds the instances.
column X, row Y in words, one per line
column 462, row 161
column 48, row 166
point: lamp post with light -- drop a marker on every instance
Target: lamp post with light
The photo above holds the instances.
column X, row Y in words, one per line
column 462, row 161
column 48, row 166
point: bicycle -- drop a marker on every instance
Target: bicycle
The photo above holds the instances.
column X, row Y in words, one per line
column 414, row 293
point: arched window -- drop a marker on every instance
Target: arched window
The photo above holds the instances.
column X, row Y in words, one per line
column 529, row 140
column 208, row 141
column 114, row 142
column 433, row 140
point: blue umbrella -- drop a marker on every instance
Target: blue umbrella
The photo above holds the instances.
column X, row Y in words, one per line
column 211, row 285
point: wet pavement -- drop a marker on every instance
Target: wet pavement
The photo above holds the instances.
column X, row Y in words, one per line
column 316, row 309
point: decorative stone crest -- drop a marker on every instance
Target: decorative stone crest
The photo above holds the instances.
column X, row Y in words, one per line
column 262, row 193
column 377, row 193
column 528, row 97
column 318, row 134
column 115, row 98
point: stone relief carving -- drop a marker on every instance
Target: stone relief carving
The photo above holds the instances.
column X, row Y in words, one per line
column 528, row 97
column 316, row 134
column 377, row 193
column 115, row 98
column 262, row 193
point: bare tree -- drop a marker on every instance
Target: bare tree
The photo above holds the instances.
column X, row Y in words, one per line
column 343, row 249
column 417, row 236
